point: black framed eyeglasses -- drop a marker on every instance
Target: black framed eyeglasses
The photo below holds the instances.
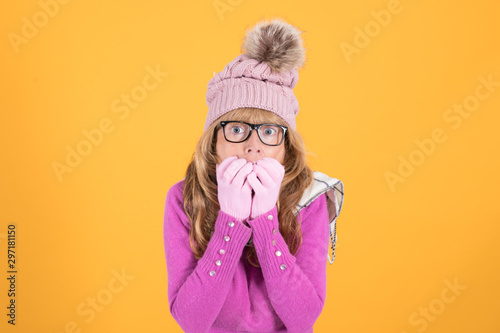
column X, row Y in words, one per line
column 239, row 131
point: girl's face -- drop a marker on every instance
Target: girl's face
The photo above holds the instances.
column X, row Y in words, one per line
column 252, row 149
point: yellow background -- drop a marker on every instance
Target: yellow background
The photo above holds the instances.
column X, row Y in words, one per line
column 360, row 115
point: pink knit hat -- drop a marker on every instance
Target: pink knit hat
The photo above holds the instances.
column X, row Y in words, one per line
column 262, row 77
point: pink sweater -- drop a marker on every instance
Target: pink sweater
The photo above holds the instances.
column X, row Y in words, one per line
column 223, row 292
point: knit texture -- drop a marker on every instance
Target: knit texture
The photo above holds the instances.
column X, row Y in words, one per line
column 246, row 82
column 286, row 294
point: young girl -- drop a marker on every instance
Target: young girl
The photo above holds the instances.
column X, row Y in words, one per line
column 246, row 232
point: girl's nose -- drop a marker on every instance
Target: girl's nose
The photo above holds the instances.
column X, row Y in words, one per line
column 253, row 148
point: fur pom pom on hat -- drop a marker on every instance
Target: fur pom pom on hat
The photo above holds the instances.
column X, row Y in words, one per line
column 262, row 77
column 276, row 43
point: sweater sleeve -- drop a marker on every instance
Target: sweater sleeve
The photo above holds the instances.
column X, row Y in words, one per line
column 197, row 289
column 296, row 285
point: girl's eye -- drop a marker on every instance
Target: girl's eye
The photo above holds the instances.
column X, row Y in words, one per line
column 269, row 131
column 236, row 130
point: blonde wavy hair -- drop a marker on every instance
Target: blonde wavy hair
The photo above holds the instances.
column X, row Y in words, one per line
column 200, row 187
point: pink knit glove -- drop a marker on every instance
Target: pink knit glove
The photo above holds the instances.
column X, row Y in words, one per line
column 234, row 193
column 267, row 186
